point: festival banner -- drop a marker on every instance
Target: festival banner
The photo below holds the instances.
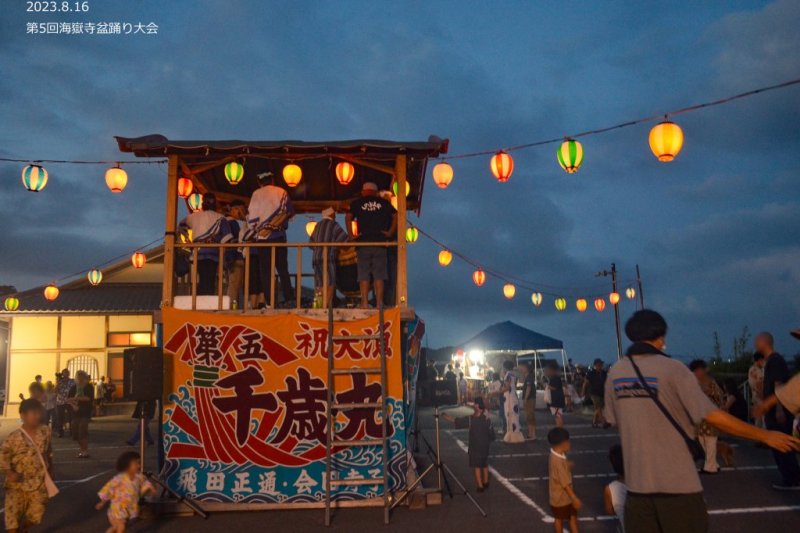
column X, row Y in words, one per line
column 245, row 416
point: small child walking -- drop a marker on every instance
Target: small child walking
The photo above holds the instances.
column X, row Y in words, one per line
column 616, row 492
column 481, row 434
column 124, row 491
column 25, row 459
column 564, row 504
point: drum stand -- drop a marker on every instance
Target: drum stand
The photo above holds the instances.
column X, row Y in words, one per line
column 442, row 470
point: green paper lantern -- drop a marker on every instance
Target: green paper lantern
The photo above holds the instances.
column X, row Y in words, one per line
column 11, row 303
column 195, row 202
column 234, row 172
column 95, row 276
column 570, row 156
column 412, row 234
column 34, row 178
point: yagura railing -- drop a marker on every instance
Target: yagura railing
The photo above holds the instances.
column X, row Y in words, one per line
column 248, row 250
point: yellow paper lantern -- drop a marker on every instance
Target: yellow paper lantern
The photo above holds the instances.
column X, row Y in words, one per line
column 445, row 257
column 310, row 225
column 412, row 234
column 666, row 140
column 345, row 172
column 442, row 175
column 502, row 165
column 561, row 303
column 581, row 304
column 630, row 292
column 138, row 259
column 292, row 174
column 599, row 304
column 11, row 303
column 613, row 298
column 509, row 290
column 393, row 201
column 51, row 292
column 479, row 277
column 536, row 298
column 116, row 179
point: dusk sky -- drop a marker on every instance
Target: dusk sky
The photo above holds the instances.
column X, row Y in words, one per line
column 716, row 232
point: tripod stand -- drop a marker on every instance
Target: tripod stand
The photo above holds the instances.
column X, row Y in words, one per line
column 442, row 470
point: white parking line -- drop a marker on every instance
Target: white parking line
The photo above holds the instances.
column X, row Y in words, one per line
column 590, row 476
column 543, row 454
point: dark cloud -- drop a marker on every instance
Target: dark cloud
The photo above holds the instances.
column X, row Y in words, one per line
column 715, row 231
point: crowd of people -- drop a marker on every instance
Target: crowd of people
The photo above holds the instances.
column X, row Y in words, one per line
column 266, row 220
column 670, row 417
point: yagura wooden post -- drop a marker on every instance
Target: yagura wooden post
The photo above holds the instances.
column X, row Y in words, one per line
column 169, row 230
column 402, row 278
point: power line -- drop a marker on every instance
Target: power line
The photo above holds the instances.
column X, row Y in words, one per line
column 628, row 123
column 82, row 162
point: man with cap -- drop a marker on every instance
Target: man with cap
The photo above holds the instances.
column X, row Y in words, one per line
column 595, row 386
column 377, row 222
column 267, row 221
column 326, row 230
column 208, row 226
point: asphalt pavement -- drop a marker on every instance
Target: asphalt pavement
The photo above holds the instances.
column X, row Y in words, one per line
column 740, row 499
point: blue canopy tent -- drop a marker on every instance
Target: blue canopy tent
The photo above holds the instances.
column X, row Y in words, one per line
column 523, row 344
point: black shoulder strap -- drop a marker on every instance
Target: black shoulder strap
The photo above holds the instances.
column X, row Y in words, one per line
column 654, row 397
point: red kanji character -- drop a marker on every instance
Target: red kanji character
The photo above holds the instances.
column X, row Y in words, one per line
column 305, row 400
column 244, row 401
column 313, row 342
column 251, row 347
column 362, row 393
column 344, row 348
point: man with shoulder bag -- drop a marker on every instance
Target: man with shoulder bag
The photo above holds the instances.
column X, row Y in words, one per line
column 655, row 401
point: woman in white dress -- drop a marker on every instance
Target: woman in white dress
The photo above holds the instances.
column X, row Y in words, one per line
column 511, row 405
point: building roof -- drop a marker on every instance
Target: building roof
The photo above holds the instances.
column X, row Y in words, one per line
column 204, row 162
column 104, row 298
column 510, row 336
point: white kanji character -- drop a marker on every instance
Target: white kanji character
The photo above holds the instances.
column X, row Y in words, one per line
column 373, row 474
column 304, row 483
column 115, row 28
column 88, row 27
column 31, row 27
column 77, row 27
column 354, row 474
column 102, row 28
column 53, row 27
column 215, row 481
column 138, row 28
column 66, row 27
column 267, row 482
column 242, row 483
column 152, row 28
column 187, row 480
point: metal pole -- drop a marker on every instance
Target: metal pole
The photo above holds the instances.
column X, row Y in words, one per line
column 142, row 427
column 639, row 287
column 438, row 449
column 616, row 310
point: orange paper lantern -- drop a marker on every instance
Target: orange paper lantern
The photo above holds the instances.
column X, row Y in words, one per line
column 51, row 292
column 509, row 290
column 581, row 304
column 345, row 172
column 613, row 298
column 600, row 304
column 502, row 166
column 185, row 187
column 138, row 259
column 479, row 277
column 442, row 175
column 292, row 174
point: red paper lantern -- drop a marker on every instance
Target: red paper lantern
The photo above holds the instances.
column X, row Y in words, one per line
column 600, row 304
column 345, row 172
column 138, row 259
column 185, row 187
column 479, row 277
column 502, row 166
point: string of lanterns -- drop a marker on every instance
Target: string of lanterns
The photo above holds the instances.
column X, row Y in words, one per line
column 480, row 276
column 666, row 140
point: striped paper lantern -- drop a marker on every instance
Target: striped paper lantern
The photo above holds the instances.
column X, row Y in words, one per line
column 185, row 187
column 479, row 277
column 138, row 259
column 570, row 155
column 536, row 298
column 195, row 202
column 95, row 276
column 502, row 165
column 11, row 303
column 234, row 172
column 345, row 172
column 561, row 303
column 34, row 178
column 412, row 234
column 600, row 304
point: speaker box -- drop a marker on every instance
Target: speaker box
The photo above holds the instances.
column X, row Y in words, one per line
column 445, row 392
column 143, row 370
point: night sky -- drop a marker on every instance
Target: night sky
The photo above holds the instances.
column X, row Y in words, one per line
column 715, row 232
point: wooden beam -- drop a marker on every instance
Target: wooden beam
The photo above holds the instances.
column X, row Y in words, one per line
column 170, row 228
column 367, row 164
column 197, row 169
column 402, row 217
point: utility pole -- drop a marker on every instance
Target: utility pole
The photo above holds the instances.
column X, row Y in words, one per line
column 613, row 274
column 639, row 287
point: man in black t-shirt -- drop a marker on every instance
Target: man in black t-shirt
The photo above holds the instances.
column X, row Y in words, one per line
column 595, row 385
column 81, row 398
column 377, row 222
column 776, row 372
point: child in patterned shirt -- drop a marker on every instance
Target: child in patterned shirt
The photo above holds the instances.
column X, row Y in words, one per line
column 124, row 491
column 25, row 458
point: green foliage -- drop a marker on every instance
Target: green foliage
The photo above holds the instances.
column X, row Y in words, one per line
column 738, row 360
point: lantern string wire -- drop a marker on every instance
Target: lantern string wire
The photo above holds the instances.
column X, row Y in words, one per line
column 81, row 162
column 651, row 118
column 520, row 282
column 109, row 261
